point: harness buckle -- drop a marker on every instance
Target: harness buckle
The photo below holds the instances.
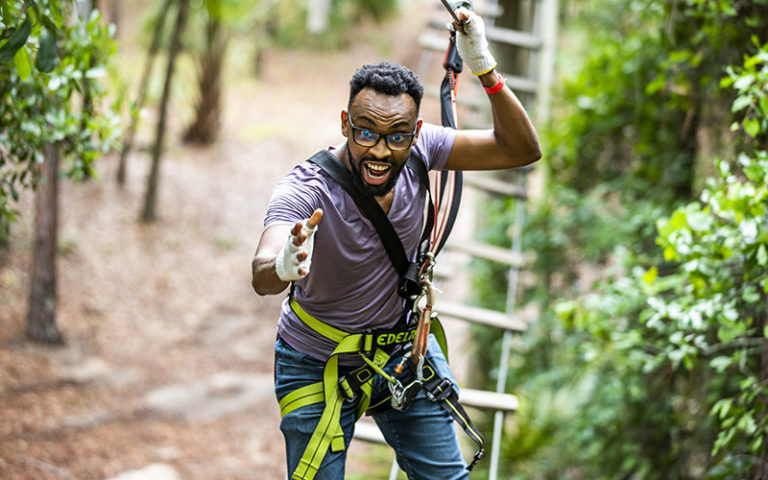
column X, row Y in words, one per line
column 410, row 281
column 346, row 390
column 439, row 391
column 351, row 383
column 478, row 455
column 366, row 344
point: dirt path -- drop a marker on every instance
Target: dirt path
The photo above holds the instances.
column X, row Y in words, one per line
column 168, row 357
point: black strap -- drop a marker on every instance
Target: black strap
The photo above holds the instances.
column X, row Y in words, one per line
column 440, row 390
column 415, row 163
column 453, row 66
column 458, row 180
column 373, row 211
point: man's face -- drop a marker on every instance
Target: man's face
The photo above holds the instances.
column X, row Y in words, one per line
column 375, row 167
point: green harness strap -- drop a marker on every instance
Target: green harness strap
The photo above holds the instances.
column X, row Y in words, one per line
column 328, row 433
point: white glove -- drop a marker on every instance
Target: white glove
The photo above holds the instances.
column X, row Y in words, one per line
column 287, row 263
column 472, row 44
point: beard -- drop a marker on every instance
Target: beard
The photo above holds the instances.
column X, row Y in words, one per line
column 359, row 180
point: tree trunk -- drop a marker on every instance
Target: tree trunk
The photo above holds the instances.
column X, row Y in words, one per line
column 146, row 73
column 205, row 129
column 684, row 171
column 318, row 15
column 114, row 17
column 5, row 232
column 41, row 316
column 148, row 213
column 87, row 94
column 761, row 464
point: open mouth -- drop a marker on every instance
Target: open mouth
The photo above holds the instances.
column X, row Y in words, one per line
column 376, row 173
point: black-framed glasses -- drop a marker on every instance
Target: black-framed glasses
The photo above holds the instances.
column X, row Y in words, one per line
column 368, row 138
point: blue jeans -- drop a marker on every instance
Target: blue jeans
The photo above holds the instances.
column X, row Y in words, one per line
column 423, row 436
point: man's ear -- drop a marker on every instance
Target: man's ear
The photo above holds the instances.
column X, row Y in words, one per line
column 344, row 123
column 419, row 122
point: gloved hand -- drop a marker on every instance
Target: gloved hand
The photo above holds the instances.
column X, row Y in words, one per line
column 293, row 262
column 471, row 42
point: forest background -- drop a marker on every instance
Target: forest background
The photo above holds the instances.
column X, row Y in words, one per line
column 648, row 357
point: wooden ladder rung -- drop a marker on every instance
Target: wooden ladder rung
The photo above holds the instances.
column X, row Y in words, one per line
column 513, row 37
column 480, row 315
column 508, row 36
column 434, row 42
column 493, row 185
column 504, row 402
column 368, row 432
column 463, row 100
column 488, row 252
column 516, row 83
column 443, row 270
column 439, row 43
column 486, row 10
column 520, row 84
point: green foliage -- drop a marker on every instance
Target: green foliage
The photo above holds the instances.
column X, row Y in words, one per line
column 236, row 16
column 645, row 360
column 752, row 101
column 39, row 101
column 686, row 339
column 650, row 80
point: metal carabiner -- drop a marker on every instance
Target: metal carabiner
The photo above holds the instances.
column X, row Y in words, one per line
column 427, row 270
column 402, row 395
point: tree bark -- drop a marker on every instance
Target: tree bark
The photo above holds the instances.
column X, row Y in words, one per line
column 146, row 73
column 114, row 16
column 148, row 212
column 205, row 128
column 87, row 94
column 41, row 315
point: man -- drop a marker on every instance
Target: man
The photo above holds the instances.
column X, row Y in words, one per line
column 343, row 282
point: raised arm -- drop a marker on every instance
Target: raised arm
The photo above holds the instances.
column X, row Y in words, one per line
column 512, row 142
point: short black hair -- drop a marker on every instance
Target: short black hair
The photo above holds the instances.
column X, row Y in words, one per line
column 387, row 78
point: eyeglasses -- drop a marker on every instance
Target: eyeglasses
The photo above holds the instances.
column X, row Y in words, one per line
column 367, row 138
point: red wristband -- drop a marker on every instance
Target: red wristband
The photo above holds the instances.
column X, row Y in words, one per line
column 496, row 88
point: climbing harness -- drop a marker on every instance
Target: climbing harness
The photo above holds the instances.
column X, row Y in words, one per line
column 375, row 348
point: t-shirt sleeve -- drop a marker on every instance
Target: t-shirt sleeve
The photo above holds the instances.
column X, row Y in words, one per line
column 435, row 144
column 295, row 197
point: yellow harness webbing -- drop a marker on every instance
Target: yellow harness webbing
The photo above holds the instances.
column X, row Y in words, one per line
column 328, row 433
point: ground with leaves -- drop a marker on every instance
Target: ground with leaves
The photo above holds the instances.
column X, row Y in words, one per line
column 168, row 350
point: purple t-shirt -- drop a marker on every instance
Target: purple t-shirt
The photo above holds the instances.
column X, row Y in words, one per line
column 352, row 284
